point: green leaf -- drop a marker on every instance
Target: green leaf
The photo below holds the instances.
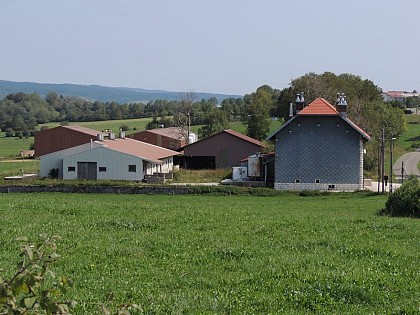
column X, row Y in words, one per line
column 29, row 302
column 29, row 252
column 21, row 239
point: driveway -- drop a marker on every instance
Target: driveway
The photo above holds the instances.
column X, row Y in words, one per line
column 411, row 161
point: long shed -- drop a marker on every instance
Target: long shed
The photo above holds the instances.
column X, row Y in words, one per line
column 62, row 137
column 224, row 149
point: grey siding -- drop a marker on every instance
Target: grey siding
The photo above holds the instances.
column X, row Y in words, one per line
column 116, row 164
column 318, row 148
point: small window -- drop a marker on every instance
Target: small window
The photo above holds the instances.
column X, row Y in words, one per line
column 331, row 187
column 71, row 169
column 131, row 168
column 297, row 181
column 102, row 169
column 317, row 181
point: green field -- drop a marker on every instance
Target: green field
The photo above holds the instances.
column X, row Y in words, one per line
column 225, row 254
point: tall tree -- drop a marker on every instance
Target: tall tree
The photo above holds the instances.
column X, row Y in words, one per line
column 257, row 111
column 215, row 121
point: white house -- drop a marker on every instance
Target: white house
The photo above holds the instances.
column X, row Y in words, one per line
column 115, row 159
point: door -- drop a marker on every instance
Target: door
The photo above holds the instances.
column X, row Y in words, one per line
column 87, row 170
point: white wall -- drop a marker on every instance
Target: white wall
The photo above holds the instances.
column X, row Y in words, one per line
column 116, row 164
column 55, row 159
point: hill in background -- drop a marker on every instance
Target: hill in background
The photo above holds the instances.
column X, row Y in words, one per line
column 101, row 93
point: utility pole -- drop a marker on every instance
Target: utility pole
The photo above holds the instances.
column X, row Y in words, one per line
column 379, row 165
column 391, row 147
column 383, row 159
column 402, row 172
column 189, row 127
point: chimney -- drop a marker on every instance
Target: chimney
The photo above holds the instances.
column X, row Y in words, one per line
column 111, row 136
column 341, row 104
column 291, row 111
column 122, row 134
column 300, row 102
column 100, row 137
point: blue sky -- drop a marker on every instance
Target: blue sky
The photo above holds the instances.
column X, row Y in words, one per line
column 229, row 46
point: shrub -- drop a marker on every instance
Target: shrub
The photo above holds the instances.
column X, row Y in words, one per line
column 34, row 288
column 53, row 173
column 124, row 128
column 405, row 201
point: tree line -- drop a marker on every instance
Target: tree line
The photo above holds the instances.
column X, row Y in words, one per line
column 21, row 112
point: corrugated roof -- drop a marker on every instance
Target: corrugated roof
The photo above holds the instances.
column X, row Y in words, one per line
column 319, row 107
column 244, row 137
column 235, row 134
column 83, row 130
column 170, row 132
column 140, row 149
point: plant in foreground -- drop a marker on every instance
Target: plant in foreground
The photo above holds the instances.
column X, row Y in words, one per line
column 34, row 288
column 405, row 201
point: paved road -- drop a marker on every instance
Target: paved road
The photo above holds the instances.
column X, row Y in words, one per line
column 411, row 161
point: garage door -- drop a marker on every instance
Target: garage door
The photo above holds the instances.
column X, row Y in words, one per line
column 86, row 170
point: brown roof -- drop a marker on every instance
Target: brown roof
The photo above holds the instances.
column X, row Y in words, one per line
column 170, row 132
column 82, row 130
column 244, row 137
column 319, row 107
column 137, row 148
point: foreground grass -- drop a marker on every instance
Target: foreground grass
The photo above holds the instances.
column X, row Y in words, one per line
column 226, row 255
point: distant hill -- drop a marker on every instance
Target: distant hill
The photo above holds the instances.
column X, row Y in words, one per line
column 100, row 93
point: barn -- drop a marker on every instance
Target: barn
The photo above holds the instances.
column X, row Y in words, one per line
column 224, row 149
column 319, row 148
column 113, row 159
column 62, row 137
column 171, row 138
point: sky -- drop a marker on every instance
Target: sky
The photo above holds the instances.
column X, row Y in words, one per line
column 229, row 46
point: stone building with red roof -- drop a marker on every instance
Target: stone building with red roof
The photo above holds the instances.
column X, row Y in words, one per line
column 319, row 148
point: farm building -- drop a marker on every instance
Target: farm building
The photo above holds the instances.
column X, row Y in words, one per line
column 224, row 149
column 115, row 159
column 62, row 137
column 319, row 148
column 171, row 138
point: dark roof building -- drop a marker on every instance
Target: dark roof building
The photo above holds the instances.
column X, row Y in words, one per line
column 319, row 148
column 224, row 149
column 171, row 138
column 62, row 137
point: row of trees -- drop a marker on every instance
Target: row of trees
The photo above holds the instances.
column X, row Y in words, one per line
column 22, row 112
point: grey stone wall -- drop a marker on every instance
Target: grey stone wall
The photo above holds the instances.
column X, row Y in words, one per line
column 96, row 189
column 318, row 152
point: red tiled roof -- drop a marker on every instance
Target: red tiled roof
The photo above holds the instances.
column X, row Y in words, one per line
column 137, row 148
column 319, row 107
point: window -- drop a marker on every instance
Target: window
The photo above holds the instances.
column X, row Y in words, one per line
column 102, row 169
column 317, row 181
column 331, row 187
column 71, row 169
column 131, row 168
column 297, row 181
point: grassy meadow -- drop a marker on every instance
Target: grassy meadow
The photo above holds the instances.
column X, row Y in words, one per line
column 189, row 254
